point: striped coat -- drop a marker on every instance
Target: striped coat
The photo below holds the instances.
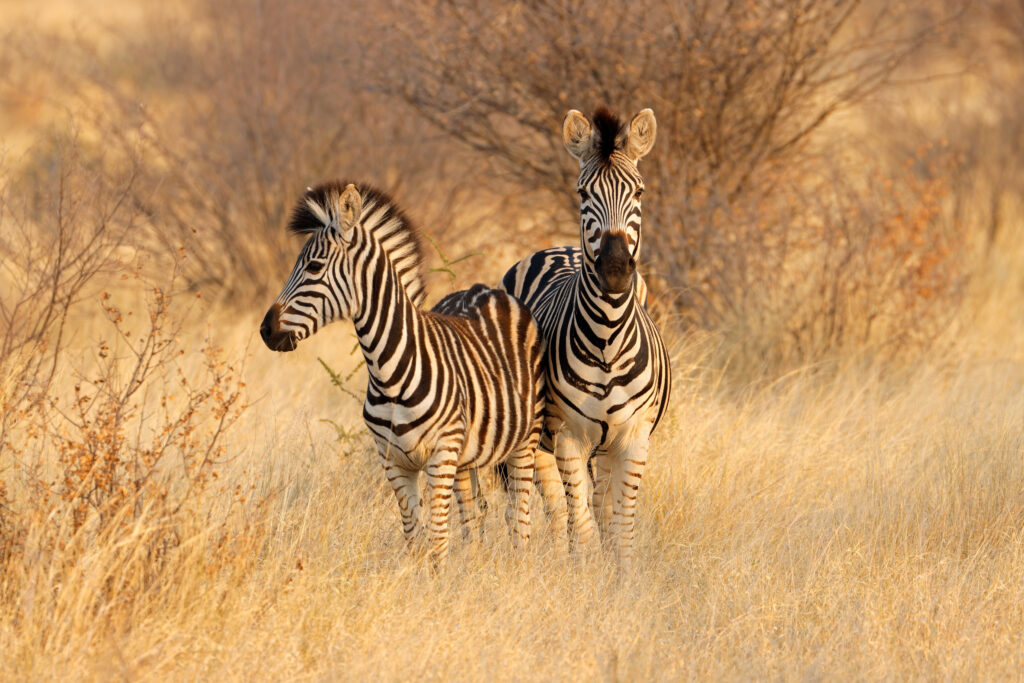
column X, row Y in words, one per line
column 608, row 374
column 449, row 390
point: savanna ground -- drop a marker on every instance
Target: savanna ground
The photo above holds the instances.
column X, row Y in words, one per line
column 833, row 238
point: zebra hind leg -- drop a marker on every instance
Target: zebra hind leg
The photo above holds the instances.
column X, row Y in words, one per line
column 549, row 484
column 470, row 515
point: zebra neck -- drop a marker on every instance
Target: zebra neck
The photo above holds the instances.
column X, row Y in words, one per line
column 389, row 327
column 602, row 321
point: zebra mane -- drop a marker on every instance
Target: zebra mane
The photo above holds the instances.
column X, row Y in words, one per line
column 381, row 217
column 607, row 132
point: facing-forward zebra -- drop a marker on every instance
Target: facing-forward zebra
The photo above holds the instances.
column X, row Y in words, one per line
column 607, row 370
column 446, row 392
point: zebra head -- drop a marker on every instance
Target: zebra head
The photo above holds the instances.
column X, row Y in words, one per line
column 610, row 187
column 319, row 290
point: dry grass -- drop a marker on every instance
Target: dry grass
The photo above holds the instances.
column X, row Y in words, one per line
column 850, row 524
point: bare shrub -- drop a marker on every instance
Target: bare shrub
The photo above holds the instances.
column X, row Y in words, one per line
column 241, row 104
column 877, row 265
column 238, row 106
column 109, row 451
column 739, row 89
column 60, row 228
column 737, row 85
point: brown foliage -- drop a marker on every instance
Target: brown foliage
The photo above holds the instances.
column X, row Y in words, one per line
column 62, row 226
column 133, row 446
column 241, row 104
column 103, row 468
column 122, row 465
column 113, row 451
column 740, row 91
column 838, row 267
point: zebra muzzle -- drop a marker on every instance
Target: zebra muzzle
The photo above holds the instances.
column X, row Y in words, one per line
column 273, row 336
column 614, row 264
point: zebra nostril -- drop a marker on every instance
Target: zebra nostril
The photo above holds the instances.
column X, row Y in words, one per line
column 268, row 324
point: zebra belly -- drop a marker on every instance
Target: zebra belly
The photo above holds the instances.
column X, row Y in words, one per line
column 404, row 437
column 410, row 446
column 414, row 459
column 412, row 450
column 594, row 432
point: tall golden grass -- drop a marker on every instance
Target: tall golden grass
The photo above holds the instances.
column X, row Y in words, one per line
column 837, row 491
column 855, row 523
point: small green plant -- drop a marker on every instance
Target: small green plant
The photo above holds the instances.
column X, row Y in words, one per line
column 344, row 433
column 342, row 382
column 446, row 262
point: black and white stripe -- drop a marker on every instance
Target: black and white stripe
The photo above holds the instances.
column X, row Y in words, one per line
column 608, row 373
column 449, row 390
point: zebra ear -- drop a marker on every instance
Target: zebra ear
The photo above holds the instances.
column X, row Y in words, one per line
column 578, row 135
column 642, row 130
column 350, row 206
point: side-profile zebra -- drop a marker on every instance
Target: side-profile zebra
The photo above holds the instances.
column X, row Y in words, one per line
column 607, row 371
column 449, row 390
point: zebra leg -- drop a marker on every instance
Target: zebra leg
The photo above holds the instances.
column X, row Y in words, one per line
column 405, row 484
column 571, row 456
column 549, row 482
column 601, row 502
column 520, row 467
column 628, row 468
column 441, row 470
column 469, row 511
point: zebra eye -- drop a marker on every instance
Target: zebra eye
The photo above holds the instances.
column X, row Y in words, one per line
column 314, row 267
column 583, row 194
column 639, row 191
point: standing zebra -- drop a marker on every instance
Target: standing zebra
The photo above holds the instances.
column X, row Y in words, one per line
column 448, row 391
column 607, row 373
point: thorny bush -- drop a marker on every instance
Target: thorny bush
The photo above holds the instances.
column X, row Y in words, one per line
column 132, row 446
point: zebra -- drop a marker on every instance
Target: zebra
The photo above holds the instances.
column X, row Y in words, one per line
column 449, row 390
column 608, row 375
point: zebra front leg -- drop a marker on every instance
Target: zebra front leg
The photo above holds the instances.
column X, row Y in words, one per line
column 571, row 456
column 470, row 516
column 405, row 484
column 441, row 470
column 549, row 483
column 520, row 471
column 601, row 502
column 627, row 470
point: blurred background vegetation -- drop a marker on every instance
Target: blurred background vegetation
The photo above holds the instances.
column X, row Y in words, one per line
column 828, row 176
